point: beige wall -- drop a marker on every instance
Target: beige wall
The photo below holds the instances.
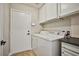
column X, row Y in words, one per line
column 63, row 24
column 75, row 25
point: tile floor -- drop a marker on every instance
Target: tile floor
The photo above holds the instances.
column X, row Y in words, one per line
column 26, row 53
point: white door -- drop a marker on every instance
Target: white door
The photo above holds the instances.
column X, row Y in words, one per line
column 1, row 28
column 20, row 31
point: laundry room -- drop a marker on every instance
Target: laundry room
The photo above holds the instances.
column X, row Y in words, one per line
column 39, row 29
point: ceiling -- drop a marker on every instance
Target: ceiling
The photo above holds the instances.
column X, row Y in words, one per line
column 36, row 5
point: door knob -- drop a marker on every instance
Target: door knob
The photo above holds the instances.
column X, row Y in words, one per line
column 28, row 33
column 3, row 42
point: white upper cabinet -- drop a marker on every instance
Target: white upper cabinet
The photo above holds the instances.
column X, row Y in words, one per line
column 48, row 12
column 51, row 11
column 68, row 8
column 42, row 13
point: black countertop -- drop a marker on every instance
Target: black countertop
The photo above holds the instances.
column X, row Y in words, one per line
column 72, row 40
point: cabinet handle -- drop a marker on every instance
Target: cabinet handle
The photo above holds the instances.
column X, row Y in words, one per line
column 63, row 52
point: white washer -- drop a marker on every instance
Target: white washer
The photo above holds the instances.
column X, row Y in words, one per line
column 46, row 45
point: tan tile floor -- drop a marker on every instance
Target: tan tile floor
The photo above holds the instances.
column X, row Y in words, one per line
column 26, row 53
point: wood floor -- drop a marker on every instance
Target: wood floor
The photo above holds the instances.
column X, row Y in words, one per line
column 26, row 53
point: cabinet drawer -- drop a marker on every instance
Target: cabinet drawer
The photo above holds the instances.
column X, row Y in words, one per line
column 70, row 47
column 68, row 52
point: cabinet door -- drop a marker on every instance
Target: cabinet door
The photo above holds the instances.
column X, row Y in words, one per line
column 35, row 44
column 51, row 10
column 42, row 13
column 68, row 8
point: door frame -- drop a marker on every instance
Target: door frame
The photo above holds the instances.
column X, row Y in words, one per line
column 11, row 10
column 2, row 24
